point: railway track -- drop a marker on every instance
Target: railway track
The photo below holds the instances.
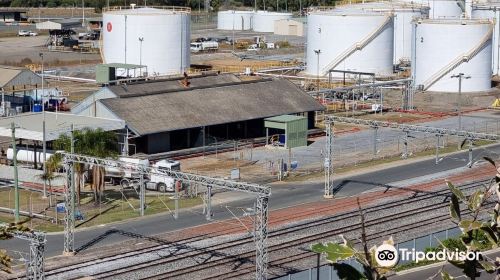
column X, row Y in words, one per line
column 182, row 251
column 280, row 249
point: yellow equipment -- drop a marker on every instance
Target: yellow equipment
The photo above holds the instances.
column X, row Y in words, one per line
column 496, row 104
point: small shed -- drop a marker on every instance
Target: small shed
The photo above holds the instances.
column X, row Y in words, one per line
column 288, row 27
column 295, row 128
column 63, row 24
column 106, row 73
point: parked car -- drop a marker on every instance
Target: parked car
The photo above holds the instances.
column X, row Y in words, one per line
column 23, row 33
column 33, row 33
column 253, row 48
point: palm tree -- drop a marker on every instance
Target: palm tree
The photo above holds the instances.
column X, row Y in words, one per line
column 90, row 142
column 50, row 174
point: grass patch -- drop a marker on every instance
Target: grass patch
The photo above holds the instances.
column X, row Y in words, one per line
column 113, row 208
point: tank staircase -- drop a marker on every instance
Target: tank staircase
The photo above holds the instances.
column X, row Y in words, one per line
column 100, row 49
column 356, row 47
column 466, row 57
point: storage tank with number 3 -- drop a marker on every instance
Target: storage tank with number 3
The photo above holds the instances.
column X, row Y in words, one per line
column 159, row 38
column 349, row 40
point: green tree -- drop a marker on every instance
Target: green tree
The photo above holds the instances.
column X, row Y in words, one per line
column 96, row 143
column 474, row 230
column 53, row 164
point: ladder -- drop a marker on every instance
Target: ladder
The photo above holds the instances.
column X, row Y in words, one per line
column 100, row 48
column 356, row 47
column 466, row 57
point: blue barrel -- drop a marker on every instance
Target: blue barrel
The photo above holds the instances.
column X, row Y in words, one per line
column 37, row 108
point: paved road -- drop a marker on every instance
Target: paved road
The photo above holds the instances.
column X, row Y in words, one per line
column 282, row 196
column 452, row 270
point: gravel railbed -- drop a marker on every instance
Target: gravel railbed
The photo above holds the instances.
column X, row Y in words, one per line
column 207, row 254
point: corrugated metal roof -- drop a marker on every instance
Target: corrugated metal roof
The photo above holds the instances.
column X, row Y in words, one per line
column 29, row 125
column 284, row 118
column 58, row 24
column 169, row 85
column 15, row 76
column 211, row 106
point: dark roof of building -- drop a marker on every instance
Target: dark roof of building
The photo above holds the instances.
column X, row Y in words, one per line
column 170, row 85
column 211, row 106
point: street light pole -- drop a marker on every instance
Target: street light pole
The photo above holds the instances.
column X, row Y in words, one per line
column 16, row 179
column 233, row 30
column 317, row 52
column 141, row 39
column 460, row 76
column 44, row 142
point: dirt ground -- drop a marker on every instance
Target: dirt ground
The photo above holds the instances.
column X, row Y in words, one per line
column 445, row 102
column 20, row 51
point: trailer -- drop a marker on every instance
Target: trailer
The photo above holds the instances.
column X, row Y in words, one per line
column 130, row 178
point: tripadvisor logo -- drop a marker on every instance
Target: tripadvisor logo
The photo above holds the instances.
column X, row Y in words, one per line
column 386, row 255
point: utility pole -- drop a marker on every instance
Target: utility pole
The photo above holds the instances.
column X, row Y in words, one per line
column 460, row 76
column 72, row 190
column 233, row 31
column 44, row 195
column 83, row 13
column 317, row 52
column 375, row 136
column 141, row 39
column 16, row 179
column 328, row 160
column 209, row 203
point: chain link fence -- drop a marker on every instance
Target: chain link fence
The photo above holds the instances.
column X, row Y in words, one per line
column 327, row 272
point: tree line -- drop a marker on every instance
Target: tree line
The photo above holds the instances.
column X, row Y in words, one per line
column 215, row 5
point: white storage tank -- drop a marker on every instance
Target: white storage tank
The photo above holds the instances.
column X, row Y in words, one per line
column 352, row 41
column 404, row 14
column 237, row 20
column 442, row 9
column 443, row 48
column 263, row 21
column 492, row 12
column 165, row 34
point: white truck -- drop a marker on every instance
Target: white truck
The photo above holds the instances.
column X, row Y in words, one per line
column 130, row 177
column 204, row 46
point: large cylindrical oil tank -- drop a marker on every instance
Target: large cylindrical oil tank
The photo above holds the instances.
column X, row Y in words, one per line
column 404, row 14
column 237, row 20
column 155, row 37
column 444, row 48
column 263, row 21
column 353, row 41
column 442, row 9
column 492, row 12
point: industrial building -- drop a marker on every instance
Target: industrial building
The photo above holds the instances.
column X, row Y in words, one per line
column 180, row 113
column 13, row 14
column 288, row 27
column 20, row 88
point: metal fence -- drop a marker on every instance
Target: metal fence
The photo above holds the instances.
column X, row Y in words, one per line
column 327, row 272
